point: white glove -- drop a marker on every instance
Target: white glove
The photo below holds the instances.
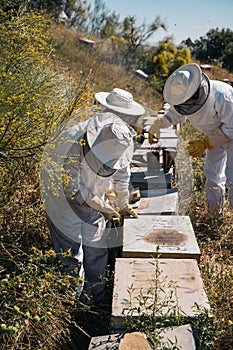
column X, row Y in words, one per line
column 104, row 208
column 155, row 129
column 122, row 203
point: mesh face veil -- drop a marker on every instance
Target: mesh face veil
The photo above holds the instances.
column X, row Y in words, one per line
column 94, row 163
column 194, row 103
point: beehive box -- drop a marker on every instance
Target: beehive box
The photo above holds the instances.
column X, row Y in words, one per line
column 157, row 202
column 167, row 140
column 177, row 283
column 166, row 236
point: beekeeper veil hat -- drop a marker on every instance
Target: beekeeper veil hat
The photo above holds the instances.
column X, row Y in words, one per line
column 110, row 140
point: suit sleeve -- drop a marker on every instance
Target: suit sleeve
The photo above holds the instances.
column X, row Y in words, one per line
column 121, row 179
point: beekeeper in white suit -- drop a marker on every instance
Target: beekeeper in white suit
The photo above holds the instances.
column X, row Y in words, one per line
column 76, row 170
column 208, row 105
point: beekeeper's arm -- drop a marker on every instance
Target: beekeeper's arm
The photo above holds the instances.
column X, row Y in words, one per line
column 103, row 207
column 221, row 136
column 77, row 192
column 171, row 117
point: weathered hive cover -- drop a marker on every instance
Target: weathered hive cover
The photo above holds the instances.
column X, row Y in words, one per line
column 157, row 202
column 167, row 140
column 178, row 281
column 168, row 236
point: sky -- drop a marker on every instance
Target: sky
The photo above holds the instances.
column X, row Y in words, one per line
column 184, row 18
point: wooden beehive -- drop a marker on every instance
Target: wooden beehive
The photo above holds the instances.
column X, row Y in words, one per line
column 178, row 284
column 166, row 236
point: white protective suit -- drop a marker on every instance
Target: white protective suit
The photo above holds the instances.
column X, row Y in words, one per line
column 216, row 115
column 68, row 184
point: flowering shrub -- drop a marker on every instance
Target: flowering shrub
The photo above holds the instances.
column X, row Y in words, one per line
column 34, row 96
column 32, row 299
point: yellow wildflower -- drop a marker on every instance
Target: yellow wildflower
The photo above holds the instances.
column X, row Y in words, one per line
column 82, row 142
column 67, row 252
column 51, row 252
column 67, row 277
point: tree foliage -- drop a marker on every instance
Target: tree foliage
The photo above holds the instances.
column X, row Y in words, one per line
column 129, row 41
column 98, row 21
column 137, row 35
column 50, row 6
column 215, row 46
column 227, row 57
column 163, row 60
column 78, row 12
column 103, row 22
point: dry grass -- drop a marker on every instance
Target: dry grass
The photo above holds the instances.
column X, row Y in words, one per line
column 217, row 72
column 215, row 239
column 216, row 243
column 105, row 76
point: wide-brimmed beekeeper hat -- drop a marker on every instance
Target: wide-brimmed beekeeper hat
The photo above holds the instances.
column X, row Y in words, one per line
column 120, row 101
column 110, row 140
column 182, row 84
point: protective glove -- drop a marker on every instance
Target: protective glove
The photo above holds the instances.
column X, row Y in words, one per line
column 155, row 129
column 110, row 193
column 197, row 147
column 122, row 203
column 104, row 208
column 139, row 137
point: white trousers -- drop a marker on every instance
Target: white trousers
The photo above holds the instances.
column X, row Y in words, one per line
column 218, row 171
column 85, row 261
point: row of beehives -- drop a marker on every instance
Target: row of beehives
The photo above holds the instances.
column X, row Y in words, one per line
column 159, row 240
